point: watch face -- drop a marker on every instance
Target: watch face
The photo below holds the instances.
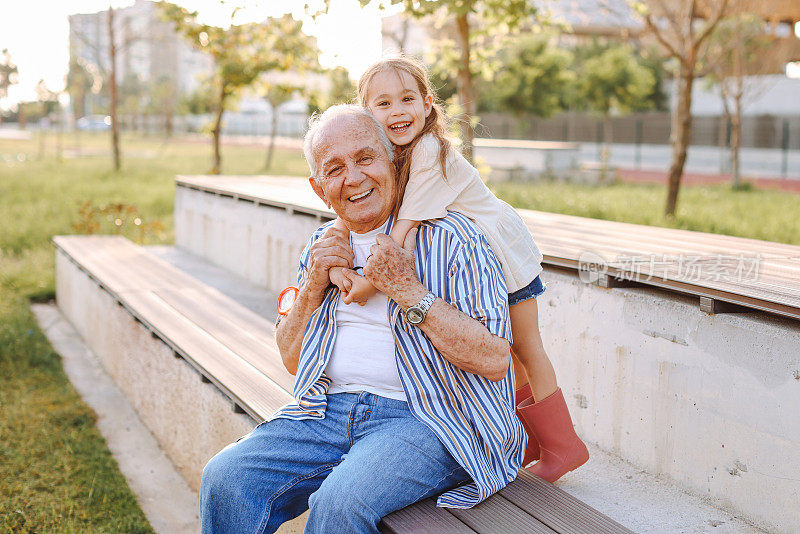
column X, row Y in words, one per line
column 414, row 316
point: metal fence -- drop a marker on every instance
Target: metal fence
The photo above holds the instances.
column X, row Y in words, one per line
column 759, row 131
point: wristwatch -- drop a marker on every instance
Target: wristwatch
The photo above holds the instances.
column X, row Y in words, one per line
column 416, row 313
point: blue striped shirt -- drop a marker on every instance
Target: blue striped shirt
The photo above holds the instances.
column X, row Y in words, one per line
column 472, row 416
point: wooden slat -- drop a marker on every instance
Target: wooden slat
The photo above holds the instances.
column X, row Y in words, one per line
column 497, row 515
column 245, row 385
column 423, row 518
column 121, row 265
column 563, row 238
column 248, row 335
column 558, row 509
column 237, row 353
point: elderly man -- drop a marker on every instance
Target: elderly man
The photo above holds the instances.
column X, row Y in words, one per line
column 406, row 397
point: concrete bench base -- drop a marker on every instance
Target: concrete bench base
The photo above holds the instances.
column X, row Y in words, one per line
column 165, row 391
column 707, row 401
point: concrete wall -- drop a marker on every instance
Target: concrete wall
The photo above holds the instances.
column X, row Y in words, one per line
column 259, row 243
column 191, row 420
column 167, row 393
column 707, row 401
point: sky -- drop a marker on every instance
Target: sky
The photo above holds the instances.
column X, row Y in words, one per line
column 36, row 33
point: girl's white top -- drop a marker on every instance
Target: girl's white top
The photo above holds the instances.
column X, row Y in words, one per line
column 429, row 195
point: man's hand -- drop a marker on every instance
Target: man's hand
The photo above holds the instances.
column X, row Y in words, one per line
column 390, row 269
column 331, row 250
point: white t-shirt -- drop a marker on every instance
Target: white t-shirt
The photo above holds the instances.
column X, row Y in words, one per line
column 363, row 357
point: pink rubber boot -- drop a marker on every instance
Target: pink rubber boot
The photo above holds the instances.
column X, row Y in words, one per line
column 560, row 447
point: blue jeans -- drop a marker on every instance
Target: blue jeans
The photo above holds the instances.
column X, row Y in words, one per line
column 368, row 457
column 531, row 291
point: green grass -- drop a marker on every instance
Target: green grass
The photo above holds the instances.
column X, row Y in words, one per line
column 759, row 214
column 56, row 474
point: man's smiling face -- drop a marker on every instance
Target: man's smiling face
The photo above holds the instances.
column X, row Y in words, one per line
column 356, row 175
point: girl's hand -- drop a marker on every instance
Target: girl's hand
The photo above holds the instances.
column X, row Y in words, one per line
column 340, row 279
column 360, row 289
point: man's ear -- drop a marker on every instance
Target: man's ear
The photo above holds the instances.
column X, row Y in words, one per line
column 318, row 190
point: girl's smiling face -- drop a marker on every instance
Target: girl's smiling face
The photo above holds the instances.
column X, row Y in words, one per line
column 394, row 99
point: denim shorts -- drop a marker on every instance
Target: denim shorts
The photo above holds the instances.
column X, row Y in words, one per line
column 531, row 291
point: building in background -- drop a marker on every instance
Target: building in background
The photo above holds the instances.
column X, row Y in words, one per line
column 149, row 51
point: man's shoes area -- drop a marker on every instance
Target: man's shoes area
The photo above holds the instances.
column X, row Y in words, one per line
column 549, row 427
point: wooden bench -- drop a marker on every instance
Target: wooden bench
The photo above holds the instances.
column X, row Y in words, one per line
column 234, row 349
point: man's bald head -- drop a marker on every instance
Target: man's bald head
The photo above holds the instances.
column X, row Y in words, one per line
column 322, row 130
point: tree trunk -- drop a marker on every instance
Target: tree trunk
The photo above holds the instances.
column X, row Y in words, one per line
column 217, row 131
column 736, row 128
column 680, row 135
column 466, row 89
column 272, row 134
column 606, row 153
column 112, row 88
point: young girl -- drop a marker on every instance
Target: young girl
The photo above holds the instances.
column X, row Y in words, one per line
column 433, row 177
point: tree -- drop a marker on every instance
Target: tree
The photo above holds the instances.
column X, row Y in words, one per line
column 163, row 100
column 676, row 26
column 9, row 74
column 614, row 81
column 276, row 94
column 735, row 49
column 241, row 53
column 112, row 87
column 533, row 78
column 131, row 98
column 478, row 27
column 79, row 82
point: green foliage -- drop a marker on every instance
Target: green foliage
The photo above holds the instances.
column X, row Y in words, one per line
column 79, row 82
column 614, row 80
column 198, row 102
column 735, row 47
column 656, row 63
column 646, row 59
column 242, row 52
column 533, row 79
column 342, row 90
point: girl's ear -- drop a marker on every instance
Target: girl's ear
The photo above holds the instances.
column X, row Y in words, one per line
column 428, row 101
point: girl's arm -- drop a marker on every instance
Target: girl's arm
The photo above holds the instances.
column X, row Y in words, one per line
column 400, row 229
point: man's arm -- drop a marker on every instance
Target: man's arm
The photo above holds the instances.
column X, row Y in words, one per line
column 462, row 340
column 331, row 250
